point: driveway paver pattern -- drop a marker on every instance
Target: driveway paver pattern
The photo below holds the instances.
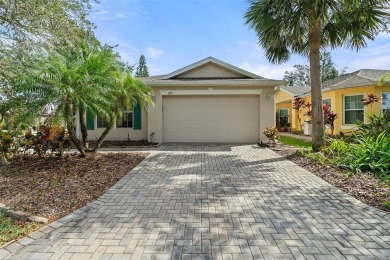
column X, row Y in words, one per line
column 215, row 202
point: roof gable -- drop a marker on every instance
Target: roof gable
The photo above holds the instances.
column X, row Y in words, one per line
column 211, row 68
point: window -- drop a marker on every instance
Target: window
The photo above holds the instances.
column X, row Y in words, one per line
column 353, row 109
column 386, row 102
column 101, row 123
column 283, row 113
column 327, row 101
column 127, row 120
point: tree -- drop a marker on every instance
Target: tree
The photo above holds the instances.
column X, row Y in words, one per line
column 71, row 81
column 56, row 21
column 142, row 69
column 127, row 93
column 304, row 27
column 301, row 75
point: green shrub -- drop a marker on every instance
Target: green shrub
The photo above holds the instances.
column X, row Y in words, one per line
column 378, row 123
column 368, row 154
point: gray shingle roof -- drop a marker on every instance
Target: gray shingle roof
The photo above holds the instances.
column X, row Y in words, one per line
column 296, row 90
column 363, row 77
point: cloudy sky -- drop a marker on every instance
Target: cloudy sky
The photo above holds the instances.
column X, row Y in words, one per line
column 175, row 33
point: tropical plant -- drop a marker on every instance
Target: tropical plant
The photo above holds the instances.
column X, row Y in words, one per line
column 376, row 124
column 371, row 99
column 304, row 27
column 127, row 93
column 298, row 105
column 69, row 80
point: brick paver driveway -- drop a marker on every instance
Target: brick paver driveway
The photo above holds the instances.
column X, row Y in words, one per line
column 215, row 202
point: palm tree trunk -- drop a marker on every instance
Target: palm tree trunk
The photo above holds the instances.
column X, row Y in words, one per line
column 83, row 128
column 70, row 126
column 316, row 93
column 102, row 137
column 76, row 142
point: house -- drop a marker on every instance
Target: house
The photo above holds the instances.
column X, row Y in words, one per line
column 207, row 101
column 344, row 96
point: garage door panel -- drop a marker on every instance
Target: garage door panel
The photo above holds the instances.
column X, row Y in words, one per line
column 210, row 118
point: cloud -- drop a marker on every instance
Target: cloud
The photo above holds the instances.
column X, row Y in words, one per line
column 153, row 52
column 267, row 71
column 105, row 15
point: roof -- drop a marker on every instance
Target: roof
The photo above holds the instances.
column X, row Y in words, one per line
column 296, row 90
column 363, row 77
column 241, row 77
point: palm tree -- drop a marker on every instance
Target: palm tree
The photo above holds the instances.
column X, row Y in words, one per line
column 303, row 27
column 127, row 93
column 71, row 81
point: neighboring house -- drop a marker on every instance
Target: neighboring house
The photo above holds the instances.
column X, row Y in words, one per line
column 343, row 94
column 208, row 101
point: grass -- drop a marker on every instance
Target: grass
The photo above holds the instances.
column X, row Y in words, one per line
column 294, row 141
column 11, row 229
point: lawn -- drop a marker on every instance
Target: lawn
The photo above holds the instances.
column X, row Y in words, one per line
column 286, row 140
column 11, row 229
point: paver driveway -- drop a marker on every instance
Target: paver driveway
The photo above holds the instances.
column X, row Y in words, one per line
column 215, row 202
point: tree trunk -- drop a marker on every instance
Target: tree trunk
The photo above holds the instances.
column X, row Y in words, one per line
column 83, row 128
column 76, row 142
column 102, row 137
column 315, row 83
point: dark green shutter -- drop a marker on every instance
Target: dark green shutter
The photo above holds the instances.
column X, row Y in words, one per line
column 90, row 121
column 137, row 117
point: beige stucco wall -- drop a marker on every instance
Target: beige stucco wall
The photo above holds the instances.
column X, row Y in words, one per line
column 210, row 71
column 266, row 101
column 122, row 133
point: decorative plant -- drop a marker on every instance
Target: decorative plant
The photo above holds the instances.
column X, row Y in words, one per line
column 331, row 116
column 271, row 133
column 371, row 99
column 298, row 105
column 309, row 112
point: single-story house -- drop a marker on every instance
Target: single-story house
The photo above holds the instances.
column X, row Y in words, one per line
column 207, row 101
column 344, row 96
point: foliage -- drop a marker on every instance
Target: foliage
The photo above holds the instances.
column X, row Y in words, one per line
column 371, row 99
column 329, row 117
column 304, row 27
column 6, row 143
column 294, row 141
column 142, row 69
column 271, row 133
column 301, row 75
column 51, row 139
column 309, row 112
column 56, row 21
column 368, row 154
column 377, row 124
column 11, row 229
column 298, row 105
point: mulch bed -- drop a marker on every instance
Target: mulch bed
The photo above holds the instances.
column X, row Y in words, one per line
column 123, row 143
column 364, row 187
column 54, row 187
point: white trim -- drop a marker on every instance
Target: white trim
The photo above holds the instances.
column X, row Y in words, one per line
column 348, row 127
column 216, row 82
column 364, row 110
column 210, row 92
column 387, row 93
column 214, row 61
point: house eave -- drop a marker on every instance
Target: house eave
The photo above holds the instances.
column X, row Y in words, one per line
column 218, row 82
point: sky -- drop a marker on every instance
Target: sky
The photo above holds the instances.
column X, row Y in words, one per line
column 175, row 33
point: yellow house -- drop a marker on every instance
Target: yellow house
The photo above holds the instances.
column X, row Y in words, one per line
column 344, row 96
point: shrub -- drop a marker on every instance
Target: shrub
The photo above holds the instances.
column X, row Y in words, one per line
column 368, row 154
column 272, row 133
column 378, row 123
column 51, row 139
